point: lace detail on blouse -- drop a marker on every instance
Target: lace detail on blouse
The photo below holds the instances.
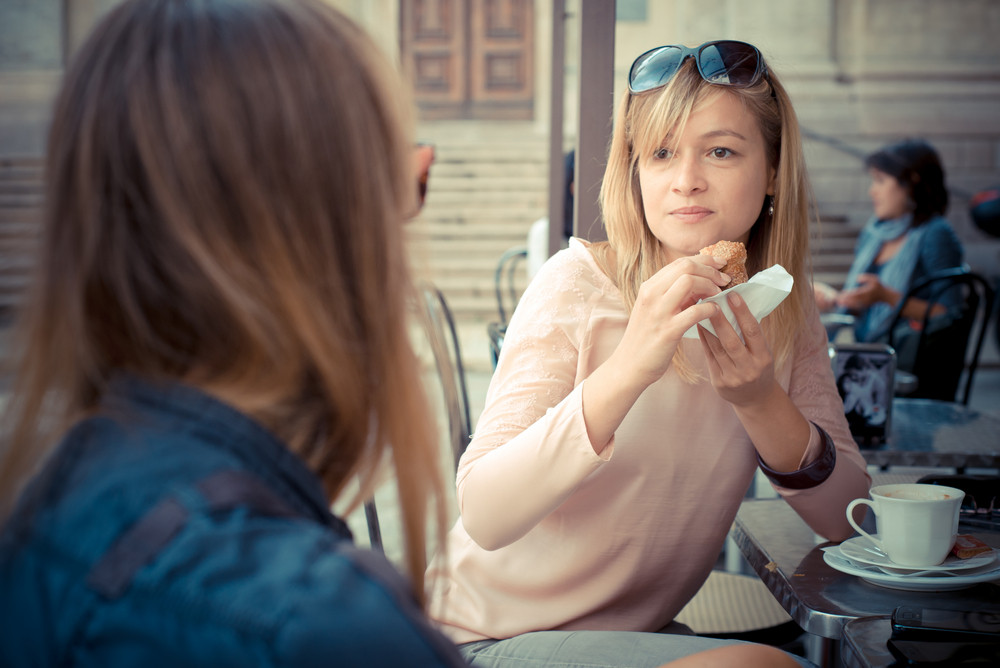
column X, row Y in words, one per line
column 551, row 316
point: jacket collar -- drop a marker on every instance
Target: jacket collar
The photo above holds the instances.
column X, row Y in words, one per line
column 217, row 424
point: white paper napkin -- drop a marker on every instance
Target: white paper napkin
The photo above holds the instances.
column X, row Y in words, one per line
column 762, row 294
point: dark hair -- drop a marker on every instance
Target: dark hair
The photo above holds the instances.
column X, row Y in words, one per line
column 917, row 167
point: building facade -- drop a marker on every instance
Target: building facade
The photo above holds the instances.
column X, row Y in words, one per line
column 861, row 72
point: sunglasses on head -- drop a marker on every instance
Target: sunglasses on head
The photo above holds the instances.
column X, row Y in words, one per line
column 724, row 63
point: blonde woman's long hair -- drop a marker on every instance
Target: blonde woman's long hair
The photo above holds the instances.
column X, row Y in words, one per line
column 226, row 185
column 632, row 254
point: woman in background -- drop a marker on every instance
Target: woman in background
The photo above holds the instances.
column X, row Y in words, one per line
column 907, row 239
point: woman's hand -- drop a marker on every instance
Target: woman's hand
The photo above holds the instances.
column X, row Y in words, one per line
column 664, row 309
column 825, row 295
column 742, row 372
column 868, row 291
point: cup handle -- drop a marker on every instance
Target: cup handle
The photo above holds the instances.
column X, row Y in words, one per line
column 850, row 518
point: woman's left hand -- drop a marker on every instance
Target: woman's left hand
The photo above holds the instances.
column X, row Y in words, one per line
column 742, row 372
column 868, row 291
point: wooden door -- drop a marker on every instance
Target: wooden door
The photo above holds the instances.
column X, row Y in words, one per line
column 470, row 58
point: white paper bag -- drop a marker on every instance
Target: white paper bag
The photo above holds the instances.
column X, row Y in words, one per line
column 762, row 294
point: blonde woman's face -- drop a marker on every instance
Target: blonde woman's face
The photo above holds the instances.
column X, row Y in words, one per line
column 709, row 183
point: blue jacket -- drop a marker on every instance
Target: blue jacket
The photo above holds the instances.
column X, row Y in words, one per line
column 171, row 530
column 928, row 249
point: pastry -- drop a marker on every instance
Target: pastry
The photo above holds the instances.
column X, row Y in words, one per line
column 735, row 254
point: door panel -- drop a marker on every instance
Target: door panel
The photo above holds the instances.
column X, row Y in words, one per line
column 433, row 43
column 470, row 59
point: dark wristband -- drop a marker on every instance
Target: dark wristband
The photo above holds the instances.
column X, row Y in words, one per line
column 812, row 474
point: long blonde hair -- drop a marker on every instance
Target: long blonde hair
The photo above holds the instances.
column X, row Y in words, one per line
column 631, row 255
column 226, row 184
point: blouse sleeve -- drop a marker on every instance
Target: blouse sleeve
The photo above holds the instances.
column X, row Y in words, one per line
column 531, row 448
column 814, row 391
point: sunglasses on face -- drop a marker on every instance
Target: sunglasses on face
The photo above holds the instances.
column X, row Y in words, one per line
column 724, row 63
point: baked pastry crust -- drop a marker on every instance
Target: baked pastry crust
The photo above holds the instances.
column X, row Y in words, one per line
column 735, row 254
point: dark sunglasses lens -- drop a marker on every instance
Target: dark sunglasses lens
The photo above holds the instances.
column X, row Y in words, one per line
column 654, row 68
column 729, row 63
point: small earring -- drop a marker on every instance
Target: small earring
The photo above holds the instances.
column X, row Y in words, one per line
column 770, row 209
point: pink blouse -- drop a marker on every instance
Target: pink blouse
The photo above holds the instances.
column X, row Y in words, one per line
column 554, row 536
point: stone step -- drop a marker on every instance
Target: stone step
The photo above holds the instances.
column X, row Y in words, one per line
column 14, row 183
column 833, row 244
column 20, row 217
column 473, row 198
column 21, row 200
column 479, row 218
column 832, row 260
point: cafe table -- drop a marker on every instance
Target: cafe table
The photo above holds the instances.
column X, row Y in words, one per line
column 787, row 556
column 927, row 432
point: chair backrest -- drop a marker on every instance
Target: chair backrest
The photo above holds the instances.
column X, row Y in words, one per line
column 508, row 293
column 495, row 333
column 865, row 375
column 505, row 284
column 439, row 325
column 942, row 345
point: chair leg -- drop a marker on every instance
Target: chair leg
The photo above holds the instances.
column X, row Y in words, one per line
column 374, row 530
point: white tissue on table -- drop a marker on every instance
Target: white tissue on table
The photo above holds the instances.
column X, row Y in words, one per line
column 762, row 294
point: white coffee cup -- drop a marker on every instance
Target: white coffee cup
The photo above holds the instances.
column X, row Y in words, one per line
column 917, row 524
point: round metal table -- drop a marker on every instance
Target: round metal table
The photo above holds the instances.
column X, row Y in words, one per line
column 927, row 432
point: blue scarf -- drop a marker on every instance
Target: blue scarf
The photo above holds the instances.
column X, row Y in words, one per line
column 897, row 273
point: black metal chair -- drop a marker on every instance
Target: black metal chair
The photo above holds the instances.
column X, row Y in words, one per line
column 438, row 325
column 865, row 374
column 505, row 286
column 940, row 353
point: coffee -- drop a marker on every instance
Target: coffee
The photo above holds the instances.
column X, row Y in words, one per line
column 916, row 495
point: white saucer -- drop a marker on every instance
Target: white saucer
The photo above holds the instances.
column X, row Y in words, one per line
column 909, row 583
column 859, row 549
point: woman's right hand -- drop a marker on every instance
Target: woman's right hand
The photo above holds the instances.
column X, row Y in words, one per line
column 869, row 290
column 826, row 296
column 666, row 307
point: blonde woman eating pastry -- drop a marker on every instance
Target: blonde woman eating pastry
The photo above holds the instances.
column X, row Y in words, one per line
column 613, row 454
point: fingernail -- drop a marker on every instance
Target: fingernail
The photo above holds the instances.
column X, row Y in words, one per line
column 734, row 299
column 720, row 260
column 726, row 277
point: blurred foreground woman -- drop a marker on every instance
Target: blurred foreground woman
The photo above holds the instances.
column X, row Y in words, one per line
column 214, row 345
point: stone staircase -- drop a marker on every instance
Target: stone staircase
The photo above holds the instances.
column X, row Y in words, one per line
column 21, row 196
column 488, row 184
column 484, row 193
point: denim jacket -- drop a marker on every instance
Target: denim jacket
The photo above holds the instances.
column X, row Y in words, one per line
column 171, row 530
